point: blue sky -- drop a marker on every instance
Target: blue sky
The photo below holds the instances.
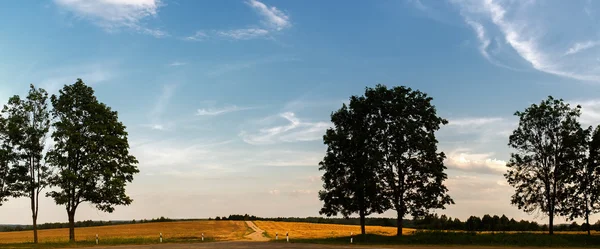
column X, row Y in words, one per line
column 226, row 102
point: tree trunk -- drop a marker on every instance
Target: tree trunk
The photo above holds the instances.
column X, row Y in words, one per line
column 35, row 232
column 34, row 218
column 587, row 216
column 551, row 225
column 362, row 222
column 399, row 222
column 71, row 225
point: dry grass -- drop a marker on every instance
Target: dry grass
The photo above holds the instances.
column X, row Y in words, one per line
column 301, row 230
column 216, row 230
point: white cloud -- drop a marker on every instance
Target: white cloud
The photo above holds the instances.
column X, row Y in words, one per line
column 243, row 34
column 463, row 159
column 274, row 20
column 580, row 46
column 113, row 15
column 273, row 17
column 537, row 33
column 198, row 36
column 474, row 121
column 590, row 111
column 219, row 111
column 177, row 64
column 294, row 131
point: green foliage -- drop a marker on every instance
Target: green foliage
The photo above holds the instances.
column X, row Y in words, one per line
column 352, row 182
column 28, row 122
column 548, row 143
column 91, row 156
column 583, row 198
column 405, row 122
column 7, row 160
column 382, row 154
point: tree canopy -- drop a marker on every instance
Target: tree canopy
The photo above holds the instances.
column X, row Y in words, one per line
column 548, row 143
column 90, row 157
column 382, row 154
column 28, row 122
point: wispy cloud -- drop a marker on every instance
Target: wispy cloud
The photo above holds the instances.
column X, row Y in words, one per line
column 580, row 46
column 54, row 79
column 220, row 111
column 273, row 20
column 590, row 111
column 530, row 29
column 243, row 34
column 478, row 121
column 198, row 36
column 113, row 15
column 295, row 130
column 160, row 106
column 177, row 64
column 273, row 17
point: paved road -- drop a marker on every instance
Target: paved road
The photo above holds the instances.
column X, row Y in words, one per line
column 271, row 245
column 250, row 244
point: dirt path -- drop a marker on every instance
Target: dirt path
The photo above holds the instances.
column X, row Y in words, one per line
column 257, row 235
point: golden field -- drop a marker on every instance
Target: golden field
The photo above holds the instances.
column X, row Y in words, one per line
column 217, row 230
column 317, row 231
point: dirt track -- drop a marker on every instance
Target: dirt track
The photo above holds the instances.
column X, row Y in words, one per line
column 257, row 235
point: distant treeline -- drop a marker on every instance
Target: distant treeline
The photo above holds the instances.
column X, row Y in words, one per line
column 434, row 222
column 431, row 222
column 87, row 223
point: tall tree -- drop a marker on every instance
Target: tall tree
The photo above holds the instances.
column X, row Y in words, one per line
column 584, row 197
column 91, row 156
column 351, row 177
column 546, row 146
column 7, row 160
column 28, row 122
column 404, row 124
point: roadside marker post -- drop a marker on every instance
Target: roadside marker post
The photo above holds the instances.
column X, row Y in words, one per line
column 202, row 236
column 160, row 237
column 351, row 237
column 276, row 236
column 287, row 236
column 96, row 239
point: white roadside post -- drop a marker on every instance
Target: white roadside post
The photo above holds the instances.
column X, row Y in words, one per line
column 160, row 237
column 96, row 239
column 351, row 237
column 287, row 236
column 276, row 236
column 202, row 236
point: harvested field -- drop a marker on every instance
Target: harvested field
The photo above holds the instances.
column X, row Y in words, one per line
column 301, row 230
column 215, row 230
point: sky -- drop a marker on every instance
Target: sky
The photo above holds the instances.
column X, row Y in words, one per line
column 226, row 102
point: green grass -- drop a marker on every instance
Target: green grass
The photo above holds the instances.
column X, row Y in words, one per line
column 107, row 242
column 451, row 238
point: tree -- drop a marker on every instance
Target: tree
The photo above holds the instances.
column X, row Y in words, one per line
column 584, row 197
column 28, row 122
column 7, row 159
column 404, row 122
column 351, row 180
column 504, row 223
column 90, row 157
column 546, row 144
